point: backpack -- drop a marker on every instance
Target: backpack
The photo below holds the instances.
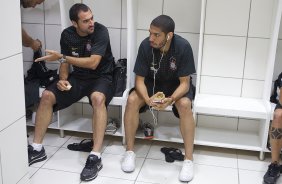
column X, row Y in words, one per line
column 39, row 71
column 119, row 77
column 276, row 89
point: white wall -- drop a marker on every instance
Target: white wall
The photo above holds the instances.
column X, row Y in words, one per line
column 13, row 140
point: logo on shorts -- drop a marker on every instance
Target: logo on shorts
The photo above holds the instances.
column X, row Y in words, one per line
column 172, row 63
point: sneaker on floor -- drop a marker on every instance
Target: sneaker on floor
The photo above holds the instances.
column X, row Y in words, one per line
column 35, row 156
column 92, row 167
column 272, row 173
column 128, row 163
column 187, row 171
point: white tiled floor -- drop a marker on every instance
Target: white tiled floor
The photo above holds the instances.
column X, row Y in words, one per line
column 212, row 165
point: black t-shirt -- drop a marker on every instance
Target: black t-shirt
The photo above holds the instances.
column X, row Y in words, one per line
column 177, row 62
column 97, row 43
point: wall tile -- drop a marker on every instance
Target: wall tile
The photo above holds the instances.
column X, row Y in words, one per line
column 227, row 17
column 52, row 12
column 53, row 36
column 36, row 31
column 11, row 29
column 256, row 58
column 249, row 125
column 223, row 56
column 252, row 89
column 278, row 60
column 185, row 13
column 193, row 39
column 280, row 30
column 14, row 88
column 261, row 18
column 124, row 13
column 218, row 122
column 123, row 43
column 15, row 155
column 147, row 11
column 220, row 86
column 115, row 37
column 33, row 15
column 109, row 16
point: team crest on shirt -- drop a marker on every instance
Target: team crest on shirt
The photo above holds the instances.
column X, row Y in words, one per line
column 172, row 63
column 88, row 47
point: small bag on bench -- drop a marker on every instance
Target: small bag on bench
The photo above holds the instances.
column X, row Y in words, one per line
column 119, row 77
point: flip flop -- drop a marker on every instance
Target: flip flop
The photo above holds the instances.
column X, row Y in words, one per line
column 172, row 154
column 85, row 145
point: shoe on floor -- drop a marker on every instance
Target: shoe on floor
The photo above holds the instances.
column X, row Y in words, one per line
column 35, row 156
column 128, row 163
column 92, row 167
column 272, row 173
column 187, row 171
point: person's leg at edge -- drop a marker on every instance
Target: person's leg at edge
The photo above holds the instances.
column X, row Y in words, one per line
column 275, row 135
column 36, row 152
column 187, row 129
column 43, row 115
column 131, row 118
column 99, row 123
column 131, row 121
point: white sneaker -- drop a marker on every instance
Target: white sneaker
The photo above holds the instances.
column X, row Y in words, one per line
column 128, row 163
column 187, row 171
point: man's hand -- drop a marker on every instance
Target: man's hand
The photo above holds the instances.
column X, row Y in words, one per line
column 36, row 45
column 51, row 56
column 63, row 85
column 165, row 102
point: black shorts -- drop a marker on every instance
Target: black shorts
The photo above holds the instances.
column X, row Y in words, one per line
column 190, row 94
column 81, row 88
column 278, row 106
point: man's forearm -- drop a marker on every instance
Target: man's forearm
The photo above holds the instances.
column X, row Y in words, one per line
column 64, row 71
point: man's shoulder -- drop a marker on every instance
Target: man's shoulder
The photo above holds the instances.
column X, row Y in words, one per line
column 99, row 26
column 69, row 30
column 180, row 40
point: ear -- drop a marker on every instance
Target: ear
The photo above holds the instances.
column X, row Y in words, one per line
column 169, row 36
column 74, row 24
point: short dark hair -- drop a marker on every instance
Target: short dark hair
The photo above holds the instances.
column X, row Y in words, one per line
column 75, row 9
column 164, row 22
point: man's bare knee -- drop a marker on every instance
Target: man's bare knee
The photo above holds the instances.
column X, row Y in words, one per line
column 98, row 99
column 47, row 97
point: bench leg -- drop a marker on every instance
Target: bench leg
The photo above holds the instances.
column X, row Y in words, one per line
column 261, row 155
column 62, row 133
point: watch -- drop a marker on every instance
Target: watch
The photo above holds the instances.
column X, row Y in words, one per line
column 63, row 59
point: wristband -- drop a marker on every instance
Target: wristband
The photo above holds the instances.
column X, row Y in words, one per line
column 63, row 59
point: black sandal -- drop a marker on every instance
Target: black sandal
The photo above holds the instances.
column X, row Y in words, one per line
column 172, row 154
column 85, row 145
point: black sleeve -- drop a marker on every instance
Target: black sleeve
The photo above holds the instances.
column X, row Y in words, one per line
column 186, row 65
column 101, row 42
column 141, row 67
column 64, row 44
column 280, row 80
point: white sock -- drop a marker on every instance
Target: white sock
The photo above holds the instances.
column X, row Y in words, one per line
column 37, row 147
column 95, row 153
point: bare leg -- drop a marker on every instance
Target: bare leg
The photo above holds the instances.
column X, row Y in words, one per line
column 187, row 125
column 276, row 135
column 131, row 118
column 43, row 115
column 99, row 121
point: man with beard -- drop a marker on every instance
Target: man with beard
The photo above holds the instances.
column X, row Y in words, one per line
column 163, row 67
column 27, row 40
column 86, row 46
